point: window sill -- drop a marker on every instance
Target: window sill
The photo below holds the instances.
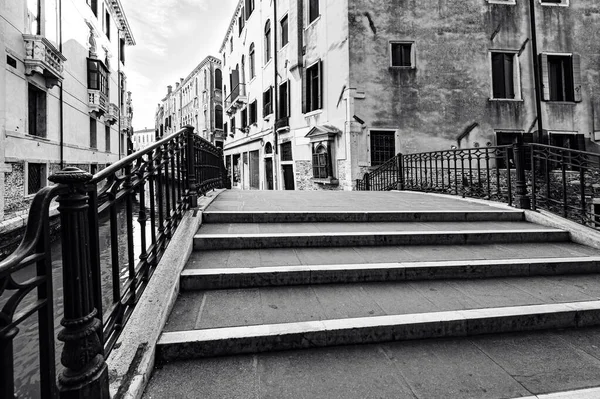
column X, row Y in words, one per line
column 507, row 100
column 562, row 102
column 313, row 22
column 553, row 4
column 331, row 181
column 506, row 3
column 283, row 48
column 313, row 113
column 40, row 138
column 268, row 63
column 408, row 68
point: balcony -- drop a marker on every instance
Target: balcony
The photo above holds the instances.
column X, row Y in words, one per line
column 43, row 58
column 97, row 102
column 236, row 99
column 112, row 116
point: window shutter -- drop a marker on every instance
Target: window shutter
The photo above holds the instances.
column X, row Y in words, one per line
column 320, row 71
column 577, row 87
column 304, row 84
column 545, row 78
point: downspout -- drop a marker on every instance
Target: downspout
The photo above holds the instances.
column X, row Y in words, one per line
column 61, row 102
column 275, row 103
column 119, row 99
column 536, row 72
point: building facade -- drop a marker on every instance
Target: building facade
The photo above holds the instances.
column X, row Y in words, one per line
column 63, row 91
column 196, row 101
column 318, row 92
column 142, row 139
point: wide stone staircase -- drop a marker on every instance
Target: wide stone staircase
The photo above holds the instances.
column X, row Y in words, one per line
column 472, row 302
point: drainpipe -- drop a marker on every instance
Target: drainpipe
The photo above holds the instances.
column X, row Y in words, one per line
column 536, row 71
column 61, row 102
column 119, row 98
column 275, row 104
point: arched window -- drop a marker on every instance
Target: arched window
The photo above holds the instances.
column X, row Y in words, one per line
column 218, row 117
column 268, row 148
column 252, row 64
column 268, row 41
column 218, row 79
column 243, row 70
column 205, row 80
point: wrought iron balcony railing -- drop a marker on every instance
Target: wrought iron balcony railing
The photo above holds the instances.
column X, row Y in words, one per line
column 97, row 102
column 43, row 58
column 151, row 189
column 236, row 99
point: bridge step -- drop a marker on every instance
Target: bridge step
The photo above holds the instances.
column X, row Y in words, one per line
column 224, row 278
column 360, row 217
column 370, row 238
column 178, row 345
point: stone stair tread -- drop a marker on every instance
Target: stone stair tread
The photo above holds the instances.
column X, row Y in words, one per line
column 485, row 367
column 273, row 305
column 248, row 258
column 368, row 227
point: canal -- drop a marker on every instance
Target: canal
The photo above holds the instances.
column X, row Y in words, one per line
column 26, row 343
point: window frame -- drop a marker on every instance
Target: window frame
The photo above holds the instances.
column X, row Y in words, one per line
column 413, row 61
column 285, row 101
column 253, row 113
column 560, row 3
column 93, row 133
column 575, row 78
column 252, row 60
column 309, row 5
column 268, row 105
column 517, row 87
column 504, row 2
column 308, row 106
column 107, row 133
column 40, row 126
column 282, row 31
column 391, row 132
column 43, row 177
column 268, row 53
column 101, row 83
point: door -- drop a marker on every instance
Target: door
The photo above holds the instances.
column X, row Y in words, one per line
column 269, row 173
column 288, row 177
column 254, row 173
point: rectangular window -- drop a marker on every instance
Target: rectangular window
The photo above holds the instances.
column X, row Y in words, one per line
column 284, row 31
column 37, row 111
column 232, row 121
column 107, row 137
column 383, row 146
column 560, row 78
column 122, row 51
column 94, row 6
column 249, row 8
column 93, row 134
column 225, row 127
column 241, row 21
column 313, row 88
column 401, row 54
column 36, row 177
column 253, row 112
column 107, row 24
column 286, row 151
column 503, row 76
column 320, row 162
column 284, row 100
column 268, row 102
column 555, row 2
column 313, row 10
column 244, row 116
column 33, row 17
column 97, row 76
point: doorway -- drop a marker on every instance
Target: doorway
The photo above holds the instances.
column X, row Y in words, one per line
column 269, row 173
column 288, row 177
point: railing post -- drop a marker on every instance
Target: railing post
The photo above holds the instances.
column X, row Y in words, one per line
column 86, row 373
column 191, row 174
column 522, row 200
column 400, row 166
column 367, row 179
column 7, row 380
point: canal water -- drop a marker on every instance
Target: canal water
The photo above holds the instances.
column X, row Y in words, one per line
column 26, row 344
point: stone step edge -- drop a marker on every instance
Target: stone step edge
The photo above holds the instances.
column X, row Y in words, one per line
column 225, row 278
column 179, row 345
column 327, row 239
column 585, row 393
column 355, row 216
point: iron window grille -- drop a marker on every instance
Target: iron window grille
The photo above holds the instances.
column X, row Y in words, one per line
column 286, row 151
column 383, row 147
column 36, row 177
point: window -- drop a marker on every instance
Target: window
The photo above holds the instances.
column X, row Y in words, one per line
column 284, row 31
column 504, row 77
column 107, row 137
column 383, row 146
column 253, row 112
column 122, row 50
column 37, row 111
column 107, row 25
column 225, row 128
column 313, row 10
column 249, row 8
column 267, row 41
column 555, row 2
column 218, row 79
column 284, row 100
column 313, row 88
column 244, row 116
column 401, row 54
column 219, row 117
column 97, row 76
column 320, row 162
column 232, row 121
column 286, row 151
column 252, row 62
column 36, row 177
column 33, row 17
column 241, row 21
column 94, row 6
column 561, row 75
column 268, row 102
column 93, row 134
column 11, row 61
column 231, row 44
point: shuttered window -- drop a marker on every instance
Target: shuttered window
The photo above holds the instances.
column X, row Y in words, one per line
column 503, row 80
column 561, row 76
column 37, row 111
column 284, row 100
column 268, row 102
column 313, row 88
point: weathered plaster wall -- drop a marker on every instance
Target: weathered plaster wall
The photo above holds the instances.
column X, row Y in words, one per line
column 450, row 88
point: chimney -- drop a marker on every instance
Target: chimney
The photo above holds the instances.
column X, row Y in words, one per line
column 169, row 89
column 176, row 85
column 180, row 80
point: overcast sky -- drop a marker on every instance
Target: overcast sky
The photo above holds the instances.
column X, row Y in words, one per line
column 172, row 37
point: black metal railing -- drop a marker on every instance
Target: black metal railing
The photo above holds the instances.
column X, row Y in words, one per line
column 153, row 188
column 560, row 180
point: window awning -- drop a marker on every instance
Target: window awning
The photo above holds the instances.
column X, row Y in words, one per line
column 322, row 132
